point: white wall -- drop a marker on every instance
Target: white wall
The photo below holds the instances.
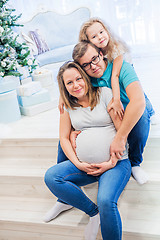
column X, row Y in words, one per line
column 136, row 21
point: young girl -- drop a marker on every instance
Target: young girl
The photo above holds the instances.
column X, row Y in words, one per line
column 96, row 32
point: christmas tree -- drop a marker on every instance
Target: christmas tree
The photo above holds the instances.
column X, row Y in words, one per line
column 13, row 54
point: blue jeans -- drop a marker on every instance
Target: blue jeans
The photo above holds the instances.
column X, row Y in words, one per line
column 149, row 106
column 61, row 157
column 137, row 138
column 65, row 179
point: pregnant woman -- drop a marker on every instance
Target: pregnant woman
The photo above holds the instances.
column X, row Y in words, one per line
column 86, row 110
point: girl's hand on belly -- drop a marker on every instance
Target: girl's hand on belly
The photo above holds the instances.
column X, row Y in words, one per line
column 103, row 167
column 86, row 167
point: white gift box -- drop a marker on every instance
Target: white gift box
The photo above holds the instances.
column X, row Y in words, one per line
column 26, row 80
column 9, row 85
column 10, row 78
column 37, row 98
column 29, row 88
column 44, row 76
column 39, row 108
column 9, row 107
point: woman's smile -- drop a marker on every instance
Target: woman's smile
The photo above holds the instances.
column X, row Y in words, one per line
column 78, row 91
column 74, row 83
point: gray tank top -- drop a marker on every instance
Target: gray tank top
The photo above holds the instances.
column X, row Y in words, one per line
column 97, row 130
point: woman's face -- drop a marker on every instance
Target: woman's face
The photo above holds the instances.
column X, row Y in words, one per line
column 98, row 35
column 74, row 83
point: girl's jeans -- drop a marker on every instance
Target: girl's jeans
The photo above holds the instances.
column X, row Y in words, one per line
column 64, row 181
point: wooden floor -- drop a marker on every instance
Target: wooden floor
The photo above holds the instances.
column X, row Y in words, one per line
column 24, row 198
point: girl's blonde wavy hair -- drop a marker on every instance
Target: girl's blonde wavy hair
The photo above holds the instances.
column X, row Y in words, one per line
column 113, row 43
column 70, row 101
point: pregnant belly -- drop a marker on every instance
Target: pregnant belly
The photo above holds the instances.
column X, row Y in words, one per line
column 93, row 144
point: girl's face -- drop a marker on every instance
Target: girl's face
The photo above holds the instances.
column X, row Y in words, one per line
column 98, row 35
column 74, row 83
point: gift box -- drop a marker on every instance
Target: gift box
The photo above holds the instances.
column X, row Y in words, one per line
column 9, row 107
column 9, row 78
column 44, row 76
column 26, row 80
column 39, row 108
column 37, row 98
column 29, row 88
column 9, row 85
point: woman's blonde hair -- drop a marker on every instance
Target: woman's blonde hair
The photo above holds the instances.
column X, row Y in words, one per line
column 113, row 43
column 71, row 101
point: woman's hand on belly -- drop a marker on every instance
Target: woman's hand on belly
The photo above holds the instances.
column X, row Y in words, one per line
column 73, row 137
column 86, row 167
column 104, row 166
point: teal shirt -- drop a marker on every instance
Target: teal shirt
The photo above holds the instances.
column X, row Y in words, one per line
column 127, row 76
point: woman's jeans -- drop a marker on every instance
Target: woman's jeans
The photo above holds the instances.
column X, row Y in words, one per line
column 65, row 179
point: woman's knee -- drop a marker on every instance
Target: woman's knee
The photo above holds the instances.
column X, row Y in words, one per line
column 50, row 176
column 106, row 204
